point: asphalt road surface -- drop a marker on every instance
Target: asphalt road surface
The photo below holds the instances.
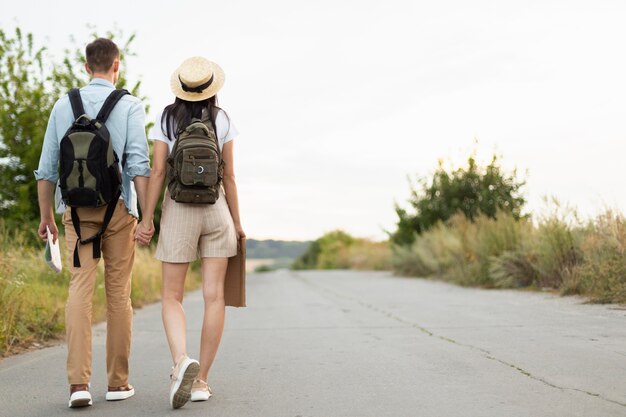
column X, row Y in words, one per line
column 355, row 344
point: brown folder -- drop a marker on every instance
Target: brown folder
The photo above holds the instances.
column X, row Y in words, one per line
column 235, row 283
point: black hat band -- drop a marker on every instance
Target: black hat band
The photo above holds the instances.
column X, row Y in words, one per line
column 197, row 89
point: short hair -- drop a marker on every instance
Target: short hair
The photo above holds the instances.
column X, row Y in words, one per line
column 101, row 54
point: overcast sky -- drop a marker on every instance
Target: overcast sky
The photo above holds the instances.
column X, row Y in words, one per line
column 338, row 101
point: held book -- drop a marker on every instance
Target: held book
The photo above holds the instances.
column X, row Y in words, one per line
column 235, row 283
column 52, row 254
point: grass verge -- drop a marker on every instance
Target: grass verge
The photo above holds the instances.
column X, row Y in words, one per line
column 558, row 252
column 32, row 296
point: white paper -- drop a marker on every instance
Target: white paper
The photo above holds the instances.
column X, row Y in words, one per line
column 53, row 253
column 58, row 201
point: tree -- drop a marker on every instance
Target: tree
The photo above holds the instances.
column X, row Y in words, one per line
column 30, row 83
column 25, row 103
column 471, row 190
column 326, row 252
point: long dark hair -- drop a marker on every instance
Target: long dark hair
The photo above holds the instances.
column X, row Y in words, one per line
column 178, row 115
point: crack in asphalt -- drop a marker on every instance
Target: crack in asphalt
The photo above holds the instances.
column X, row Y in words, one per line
column 486, row 353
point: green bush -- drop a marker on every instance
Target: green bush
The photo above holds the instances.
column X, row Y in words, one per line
column 339, row 250
column 472, row 190
column 263, row 268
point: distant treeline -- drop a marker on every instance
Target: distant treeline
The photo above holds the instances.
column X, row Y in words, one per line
column 275, row 249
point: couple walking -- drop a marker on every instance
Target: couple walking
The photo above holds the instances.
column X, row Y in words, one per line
column 200, row 213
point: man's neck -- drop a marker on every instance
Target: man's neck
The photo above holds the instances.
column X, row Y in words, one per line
column 108, row 77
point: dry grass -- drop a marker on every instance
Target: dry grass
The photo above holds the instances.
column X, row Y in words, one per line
column 368, row 255
column 601, row 271
column 32, row 296
column 558, row 252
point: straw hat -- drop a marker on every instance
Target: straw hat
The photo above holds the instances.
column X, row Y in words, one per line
column 197, row 79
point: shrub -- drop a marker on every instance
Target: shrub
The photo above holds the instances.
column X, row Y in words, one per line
column 472, row 190
column 339, row 250
column 263, row 268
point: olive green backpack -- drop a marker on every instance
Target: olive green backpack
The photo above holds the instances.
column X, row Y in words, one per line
column 89, row 171
column 195, row 166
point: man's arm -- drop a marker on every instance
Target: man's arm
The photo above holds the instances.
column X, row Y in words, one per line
column 45, row 192
column 141, row 185
column 47, row 175
column 137, row 155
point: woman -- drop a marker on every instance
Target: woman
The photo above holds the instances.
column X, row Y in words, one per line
column 189, row 231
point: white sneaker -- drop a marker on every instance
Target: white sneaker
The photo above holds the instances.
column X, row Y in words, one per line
column 200, row 391
column 80, row 399
column 118, row 395
column 182, row 377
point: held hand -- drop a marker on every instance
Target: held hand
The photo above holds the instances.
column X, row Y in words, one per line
column 144, row 233
column 43, row 233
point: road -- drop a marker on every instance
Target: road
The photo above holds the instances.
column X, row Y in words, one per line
column 341, row 343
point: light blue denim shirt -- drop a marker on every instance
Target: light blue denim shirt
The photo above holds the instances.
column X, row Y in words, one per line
column 126, row 125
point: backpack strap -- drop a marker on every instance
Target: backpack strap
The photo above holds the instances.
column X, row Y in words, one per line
column 97, row 238
column 220, row 168
column 210, row 124
column 109, row 104
column 217, row 139
column 76, row 102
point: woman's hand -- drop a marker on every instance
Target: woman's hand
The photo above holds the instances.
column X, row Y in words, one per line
column 240, row 235
column 144, row 233
column 239, row 231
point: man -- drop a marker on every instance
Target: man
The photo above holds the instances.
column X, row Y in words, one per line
column 126, row 126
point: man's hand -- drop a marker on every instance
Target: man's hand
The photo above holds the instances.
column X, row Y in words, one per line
column 144, row 233
column 43, row 233
column 45, row 193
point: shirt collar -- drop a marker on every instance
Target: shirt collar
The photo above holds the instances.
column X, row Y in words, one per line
column 101, row 81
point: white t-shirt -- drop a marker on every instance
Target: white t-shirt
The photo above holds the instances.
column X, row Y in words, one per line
column 226, row 131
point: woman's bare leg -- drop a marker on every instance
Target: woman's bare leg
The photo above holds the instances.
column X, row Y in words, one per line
column 213, row 274
column 172, row 311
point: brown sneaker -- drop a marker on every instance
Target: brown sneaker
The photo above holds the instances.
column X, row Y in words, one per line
column 120, row 393
column 79, row 396
column 182, row 377
column 200, row 390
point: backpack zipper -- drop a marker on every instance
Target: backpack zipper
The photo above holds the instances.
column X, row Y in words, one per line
column 81, row 179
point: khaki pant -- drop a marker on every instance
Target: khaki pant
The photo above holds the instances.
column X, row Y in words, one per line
column 118, row 252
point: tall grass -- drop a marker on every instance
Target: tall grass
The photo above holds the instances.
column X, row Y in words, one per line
column 461, row 251
column 32, row 296
column 601, row 273
column 557, row 251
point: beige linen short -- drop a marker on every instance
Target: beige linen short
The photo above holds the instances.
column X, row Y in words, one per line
column 189, row 231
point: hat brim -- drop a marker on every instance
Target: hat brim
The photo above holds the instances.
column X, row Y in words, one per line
column 210, row 91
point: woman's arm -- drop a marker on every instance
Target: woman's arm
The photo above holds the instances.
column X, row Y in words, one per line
column 145, row 229
column 230, row 187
